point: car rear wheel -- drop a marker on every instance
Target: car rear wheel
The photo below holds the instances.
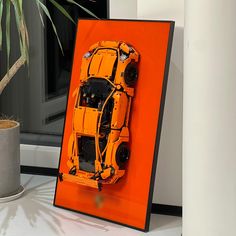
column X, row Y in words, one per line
column 122, row 154
column 131, row 74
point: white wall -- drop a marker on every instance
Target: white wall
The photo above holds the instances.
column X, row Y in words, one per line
column 162, row 10
column 123, row 9
column 168, row 186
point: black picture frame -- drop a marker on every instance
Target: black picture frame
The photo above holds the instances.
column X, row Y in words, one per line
column 158, row 134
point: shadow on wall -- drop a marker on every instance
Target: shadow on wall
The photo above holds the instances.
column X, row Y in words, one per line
column 168, row 188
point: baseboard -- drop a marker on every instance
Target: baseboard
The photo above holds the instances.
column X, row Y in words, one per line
column 34, row 170
column 162, row 209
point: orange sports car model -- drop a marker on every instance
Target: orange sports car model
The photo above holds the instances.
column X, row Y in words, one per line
column 98, row 146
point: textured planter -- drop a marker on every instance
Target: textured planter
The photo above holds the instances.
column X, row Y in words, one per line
column 9, row 158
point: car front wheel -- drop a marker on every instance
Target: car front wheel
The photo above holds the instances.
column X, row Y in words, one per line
column 122, row 154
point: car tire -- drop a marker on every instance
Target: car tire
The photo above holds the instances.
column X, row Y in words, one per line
column 131, row 74
column 122, row 154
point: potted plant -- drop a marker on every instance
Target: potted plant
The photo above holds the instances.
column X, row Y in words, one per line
column 10, row 187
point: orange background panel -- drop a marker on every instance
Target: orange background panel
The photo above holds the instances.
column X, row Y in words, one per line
column 128, row 201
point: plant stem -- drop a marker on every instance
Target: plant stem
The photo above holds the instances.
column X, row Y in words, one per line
column 10, row 74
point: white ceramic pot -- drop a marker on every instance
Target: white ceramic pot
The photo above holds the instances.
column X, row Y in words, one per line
column 9, row 158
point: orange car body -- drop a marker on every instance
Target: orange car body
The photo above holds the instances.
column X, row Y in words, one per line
column 98, row 146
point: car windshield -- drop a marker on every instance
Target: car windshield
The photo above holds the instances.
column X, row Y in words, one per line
column 94, row 93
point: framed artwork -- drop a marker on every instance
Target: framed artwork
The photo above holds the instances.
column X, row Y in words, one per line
column 113, row 120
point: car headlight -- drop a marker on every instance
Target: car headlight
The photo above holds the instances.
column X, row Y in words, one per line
column 87, row 54
column 123, row 57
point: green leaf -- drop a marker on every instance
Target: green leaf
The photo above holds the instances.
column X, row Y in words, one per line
column 25, row 39
column 83, row 8
column 19, row 4
column 40, row 13
column 18, row 17
column 62, row 10
column 45, row 10
column 8, row 30
column 22, row 30
column 1, row 10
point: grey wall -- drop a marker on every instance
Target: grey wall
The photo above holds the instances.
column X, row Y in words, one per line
column 24, row 98
column 21, row 97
